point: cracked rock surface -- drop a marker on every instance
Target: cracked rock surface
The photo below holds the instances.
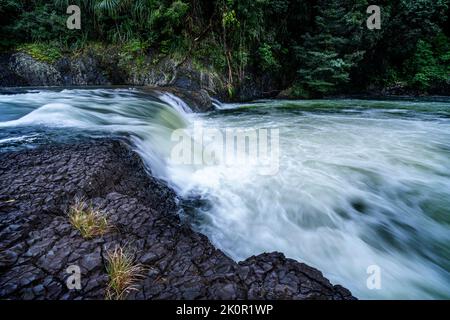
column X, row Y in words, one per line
column 38, row 244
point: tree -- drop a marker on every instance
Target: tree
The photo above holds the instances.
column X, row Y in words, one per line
column 430, row 65
column 327, row 53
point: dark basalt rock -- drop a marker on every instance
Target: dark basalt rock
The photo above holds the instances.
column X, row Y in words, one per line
column 38, row 244
column 8, row 78
column 197, row 100
column 32, row 72
column 83, row 70
column 104, row 68
column 192, row 86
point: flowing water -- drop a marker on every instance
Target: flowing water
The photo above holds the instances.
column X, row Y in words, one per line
column 360, row 183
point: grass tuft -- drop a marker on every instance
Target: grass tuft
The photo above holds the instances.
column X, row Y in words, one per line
column 123, row 273
column 89, row 221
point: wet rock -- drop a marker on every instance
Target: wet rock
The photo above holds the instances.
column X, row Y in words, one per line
column 33, row 72
column 268, row 271
column 7, row 258
column 149, row 258
column 83, row 70
column 102, row 68
column 90, row 261
column 38, row 244
column 197, row 100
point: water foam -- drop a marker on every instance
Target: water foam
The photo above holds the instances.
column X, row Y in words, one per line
column 360, row 183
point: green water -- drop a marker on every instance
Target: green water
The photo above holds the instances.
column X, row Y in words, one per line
column 360, row 183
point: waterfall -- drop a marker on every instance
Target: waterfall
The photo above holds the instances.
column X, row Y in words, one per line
column 360, row 183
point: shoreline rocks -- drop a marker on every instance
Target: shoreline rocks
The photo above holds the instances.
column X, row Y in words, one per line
column 91, row 68
column 193, row 86
column 105, row 68
column 38, row 244
column 197, row 100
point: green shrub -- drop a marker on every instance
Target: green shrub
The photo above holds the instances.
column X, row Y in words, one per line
column 430, row 65
column 87, row 220
column 123, row 273
column 268, row 61
column 297, row 91
column 44, row 52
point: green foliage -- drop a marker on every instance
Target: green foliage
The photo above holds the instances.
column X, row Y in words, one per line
column 135, row 46
column 43, row 24
column 44, row 52
column 133, row 53
column 268, row 61
column 297, row 91
column 229, row 19
column 430, row 64
column 389, row 51
column 209, row 53
column 314, row 47
column 329, row 54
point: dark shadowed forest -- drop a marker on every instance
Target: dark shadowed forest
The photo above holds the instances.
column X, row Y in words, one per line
column 311, row 48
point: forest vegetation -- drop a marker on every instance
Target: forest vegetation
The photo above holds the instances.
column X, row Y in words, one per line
column 313, row 47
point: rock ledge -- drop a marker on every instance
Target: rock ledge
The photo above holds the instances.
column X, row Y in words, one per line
column 37, row 243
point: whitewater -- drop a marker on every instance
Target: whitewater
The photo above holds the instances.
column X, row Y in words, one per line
column 360, row 183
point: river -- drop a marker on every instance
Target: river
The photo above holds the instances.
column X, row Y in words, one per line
column 359, row 183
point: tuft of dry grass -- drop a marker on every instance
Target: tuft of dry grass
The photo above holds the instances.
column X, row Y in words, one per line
column 89, row 221
column 123, row 273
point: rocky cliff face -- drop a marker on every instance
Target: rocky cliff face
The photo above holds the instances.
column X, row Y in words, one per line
column 20, row 69
column 91, row 68
column 38, row 244
column 194, row 87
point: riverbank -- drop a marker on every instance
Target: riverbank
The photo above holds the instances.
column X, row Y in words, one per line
column 38, row 242
column 109, row 66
